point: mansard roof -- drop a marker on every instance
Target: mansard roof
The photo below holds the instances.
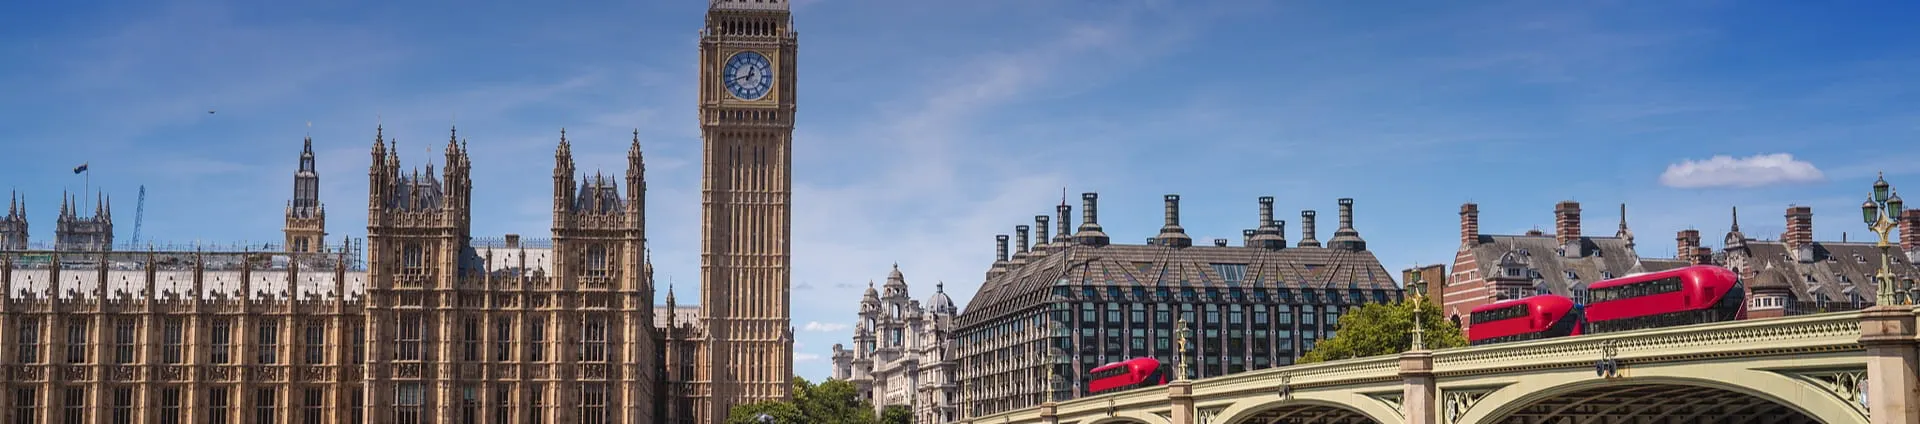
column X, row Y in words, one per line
column 1837, row 269
column 1151, row 266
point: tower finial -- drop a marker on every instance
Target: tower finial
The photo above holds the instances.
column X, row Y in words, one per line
column 1736, row 219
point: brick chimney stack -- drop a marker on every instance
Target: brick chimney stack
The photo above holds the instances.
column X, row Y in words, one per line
column 1799, row 236
column 1306, row 229
column 1020, row 238
column 1469, row 224
column 1269, row 234
column 1702, row 256
column 1090, row 232
column 1000, row 252
column 1910, row 234
column 1246, row 238
column 1040, row 230
column 1687, row 240
column 1346, row 237
column 1065, row 237
column 1566, row 222
column 1171, row 235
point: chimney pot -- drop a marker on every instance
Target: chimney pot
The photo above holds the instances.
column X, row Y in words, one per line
column 1220, row 242
column 1799, row 236
column 1247, row 237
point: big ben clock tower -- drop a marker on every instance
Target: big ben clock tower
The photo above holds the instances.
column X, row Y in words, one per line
column 746, row 125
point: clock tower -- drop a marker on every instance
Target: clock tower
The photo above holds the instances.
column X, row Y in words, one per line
column 747, row 51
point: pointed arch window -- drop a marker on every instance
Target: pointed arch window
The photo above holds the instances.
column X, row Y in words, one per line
column 596, row 261
column 413, row 259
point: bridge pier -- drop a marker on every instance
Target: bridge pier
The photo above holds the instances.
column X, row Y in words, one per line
column 1049, row 413
column 1418, row 392
column 1181, row 393
column 1888, row 333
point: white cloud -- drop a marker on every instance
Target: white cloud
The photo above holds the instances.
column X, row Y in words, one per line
column 1751, row 171
column 823, row 327
column 805, row 357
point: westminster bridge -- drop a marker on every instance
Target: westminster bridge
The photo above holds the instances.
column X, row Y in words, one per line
column 1834, row 368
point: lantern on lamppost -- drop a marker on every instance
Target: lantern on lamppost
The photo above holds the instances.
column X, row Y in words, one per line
column 1879, row 212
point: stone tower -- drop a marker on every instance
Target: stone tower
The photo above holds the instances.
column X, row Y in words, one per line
column 747, row 68
column 306, row 228
column 417, row 232
column 13, row 226
column 599, row 234
column 74, row 232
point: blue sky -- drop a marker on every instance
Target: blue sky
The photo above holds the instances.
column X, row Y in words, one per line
column 928, row 127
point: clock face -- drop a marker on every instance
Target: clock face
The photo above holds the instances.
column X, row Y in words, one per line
column 748, row 75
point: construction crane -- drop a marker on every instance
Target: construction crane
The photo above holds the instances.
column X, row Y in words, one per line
column 139, row 213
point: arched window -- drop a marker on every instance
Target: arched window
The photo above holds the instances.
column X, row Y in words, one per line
column 413, row 259
column 596, row 261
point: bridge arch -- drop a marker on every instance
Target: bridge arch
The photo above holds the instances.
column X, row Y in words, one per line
column 1689, row 390
column 1310, row 407
column 1128, row 418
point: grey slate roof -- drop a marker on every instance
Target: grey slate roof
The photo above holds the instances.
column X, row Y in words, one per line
column 1839, row 270
column 1163, row 266
column 1603, row 258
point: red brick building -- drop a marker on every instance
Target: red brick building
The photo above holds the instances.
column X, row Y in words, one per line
column 1491, row 267
column 1797, row 274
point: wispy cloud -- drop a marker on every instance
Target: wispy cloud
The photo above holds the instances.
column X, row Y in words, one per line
column 823, row 327
column 1751, row 171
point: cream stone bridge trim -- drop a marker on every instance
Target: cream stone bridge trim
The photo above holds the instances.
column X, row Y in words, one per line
column 1837, row 368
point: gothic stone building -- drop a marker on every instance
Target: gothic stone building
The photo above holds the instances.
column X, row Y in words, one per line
column 1078, row 301
column 903, row 352
column 435, row 328
column 1490, row 267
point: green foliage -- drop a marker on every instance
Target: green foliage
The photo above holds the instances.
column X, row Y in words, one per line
column 896, row 414
column 831, row 402
column 1385, row 329
column 782, row 412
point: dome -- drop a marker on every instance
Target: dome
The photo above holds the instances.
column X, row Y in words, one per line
column 940, row 303
column 872, row 295
column 896, row 283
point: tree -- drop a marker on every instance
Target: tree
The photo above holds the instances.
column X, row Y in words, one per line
column 1384, row 329
column 896, row 414
column 830, row 402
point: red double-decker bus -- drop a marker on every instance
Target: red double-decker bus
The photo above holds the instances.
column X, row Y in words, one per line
column 1537, row 317
column 1682, row 296
column 1129, row 374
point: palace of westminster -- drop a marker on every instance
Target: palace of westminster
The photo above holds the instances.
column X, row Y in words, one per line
column 421, row 322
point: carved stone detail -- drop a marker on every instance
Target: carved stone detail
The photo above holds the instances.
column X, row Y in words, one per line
column 1455, row 403
column 1848, row 385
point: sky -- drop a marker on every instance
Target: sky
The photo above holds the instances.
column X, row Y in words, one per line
column 925, row 128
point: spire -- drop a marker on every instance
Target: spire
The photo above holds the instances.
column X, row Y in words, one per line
column 1736, row 219
column 1623, row 232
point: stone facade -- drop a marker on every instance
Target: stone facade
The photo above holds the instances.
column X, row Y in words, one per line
column 437, row 327
column 1489, row 268
column 903, row 352
column 1063, row 306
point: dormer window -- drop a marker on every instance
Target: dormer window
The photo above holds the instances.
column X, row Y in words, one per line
column 1810, row 279
column 1606, row 275
column 1572, row 276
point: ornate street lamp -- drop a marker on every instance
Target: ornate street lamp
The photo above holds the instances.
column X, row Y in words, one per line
column 1879, row 212
column 1419, row 303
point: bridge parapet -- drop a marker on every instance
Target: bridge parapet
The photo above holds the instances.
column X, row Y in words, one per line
column 1804, row 333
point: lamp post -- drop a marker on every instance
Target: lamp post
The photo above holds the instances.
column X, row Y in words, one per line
column 1419, row 308
column 1879, row 212
column 1180, row 346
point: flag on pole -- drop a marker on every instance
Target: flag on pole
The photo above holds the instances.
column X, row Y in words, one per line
column 80, row 169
